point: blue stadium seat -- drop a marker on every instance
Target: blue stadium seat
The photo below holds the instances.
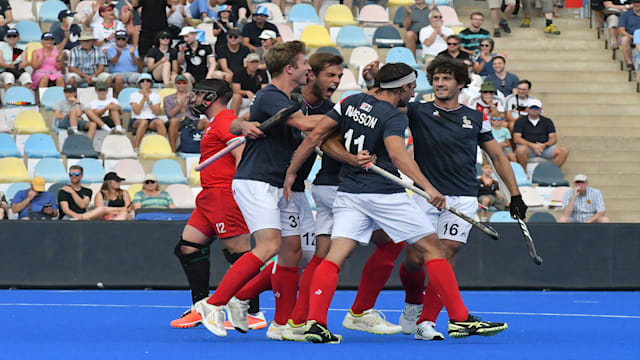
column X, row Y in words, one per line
column 29, row 31
column 123, row 98
column 521, row 176
column 502, row 217
column 54, row 189
column 351, row 36
column 349, row 93
column 8, row 147
column 78, row 146
column 329, row 49
column 387, row 37
column 542, row 217
column 17, row 96
column 14, row 188
column 51, row 96
column 403, row 55
column 548, row 174
column 51, row 170
column 40, row 146
column 304, row 13
column 422, row 84
column 168, row 171
column 49, row 10
column 92, row 171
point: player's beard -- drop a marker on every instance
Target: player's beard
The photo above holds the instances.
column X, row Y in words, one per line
column 451, row 94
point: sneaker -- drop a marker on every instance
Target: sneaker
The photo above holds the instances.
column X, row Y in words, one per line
column 275, row 331
column 189, row 319
column 257, row 321
column 474, row 326
column 70, row 132
column 293, row 332
column 426, row 331
column 552, row 29
column 212, row 317
column 237, row 311
column 319, row 334
column 207, row 20
column 409, row 317
column 505, row 26
column 526, row 23
column 371, row 321
column 496, row 33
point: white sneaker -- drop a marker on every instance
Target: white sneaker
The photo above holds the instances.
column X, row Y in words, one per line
column 275, row 331
column 212, row 317
column 426, row 331
column 409, row 317
column 292, row 332
column 237, row 311
column 372, row 321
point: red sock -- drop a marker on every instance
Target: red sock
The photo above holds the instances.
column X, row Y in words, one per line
column 323, row 286
column 259, row 283
column 285, row 286
column 240, row 272
column 375, row 274
column 299, row 314
column 413, row 284
column 444, row 282
column 431, row 305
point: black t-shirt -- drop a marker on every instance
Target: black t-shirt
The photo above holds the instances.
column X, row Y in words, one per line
column 65, row 196
column 236, row 5
column 198, row 60
column 330, row 171
column 539, row 133
column 484, row 189
column 252, row 31
column 156, row 54
column 235, row 60
column 74, row 36
column 221, row 40
column 248, row 82
column 154, row 15
column 461, row 55
column 4, row 6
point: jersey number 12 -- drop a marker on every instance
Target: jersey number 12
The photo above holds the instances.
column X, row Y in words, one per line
column 359, row 141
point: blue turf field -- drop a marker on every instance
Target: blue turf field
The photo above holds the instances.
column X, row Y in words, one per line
column 106, row 324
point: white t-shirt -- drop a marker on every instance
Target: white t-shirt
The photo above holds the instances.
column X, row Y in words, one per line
column 96, row 19
column 101, row 33
column 146, row 112
column 512, row 102
column 98, row 104
column 439, row 44
column 176, row 18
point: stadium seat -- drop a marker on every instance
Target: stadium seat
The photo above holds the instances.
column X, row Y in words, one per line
column 18, row 96
column 521, row 176
column 209, row 38
column 557, row 195
column 31, row 47
column 502, row 217
column 13, row 169
column 399, row 16
column 40, row 146
column 541, row 217
column 348, row 82
column 168, row 171
column 54, row 189
column 548, row 174
column 133, row 189
column 22, row 10
column 362, row 55
column 530, row 197
column 131, row 170
column 155, row 147
column 30, row 122
column 329, row 49
column 349, row 93
column 351, row 36
column 29, row 31
column 285, row 32
column 8, row 147
column 14, row 188
column 52, row 170
column 123, row 98
column 373, row 13
column 275, row 15
column 400, row 2
column 117, row 147
column 182, row 196
column 303, row 13
column 50, row 96
column 403, row 55
column 316, row 36
column 387, row 37
column 449, row 16
column 78, row 146
column 93, row 171
column 194, row 176
column 422, row 84
column 49, row 10
column 338, row 15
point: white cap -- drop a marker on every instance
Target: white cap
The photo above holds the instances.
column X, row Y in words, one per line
column 268, row 34
column 535, row 102
column 187, row 30
column 580, row 177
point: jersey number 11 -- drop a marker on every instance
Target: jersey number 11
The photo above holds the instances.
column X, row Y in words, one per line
column 359, row 141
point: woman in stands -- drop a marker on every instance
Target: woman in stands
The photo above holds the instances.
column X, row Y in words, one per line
column 112, row 203
column 151, row 197
column 162, row 60
column 483, row 64
column 47, row 64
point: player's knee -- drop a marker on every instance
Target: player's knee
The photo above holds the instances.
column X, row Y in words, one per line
column 189, row 252
column 231, row 255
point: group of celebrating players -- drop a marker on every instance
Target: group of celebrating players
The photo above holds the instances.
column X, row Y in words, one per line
column 258, row 191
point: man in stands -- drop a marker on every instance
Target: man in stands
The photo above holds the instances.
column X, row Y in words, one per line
column 105, row 31
column 68, row 113
column 6, row 17
column 613, row 9
column 470, row 37
column 177, row 108
column 154, row 19
column 74, row 198
column 547, row 10
column 502, row 80
column 231, row 55
column 87, row 63
column 124, row 62
column 13, row 64
column 417, row 18
column 501, row 22
column 433, row 37
column 247, row 82
column 267, row 39
column 515, row 105
column 67, row 27
column 251, row 31
column 35, row 203
column 583, row 204
column 629, row 23
column 106, row 110
column 198, row 57
column 453, row 50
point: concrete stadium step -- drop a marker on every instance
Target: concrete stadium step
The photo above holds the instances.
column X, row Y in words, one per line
column 610, row 179
column 584, row 122
column 590, row 77
column 582, row 98
column 564, row 66
column 621, row 216
column 630, row 191
column 595, row 144
column 592, row 109
column 547, row 43
column 623, row 204
column 569, row 55
column 535, row 32
column 599, row 131
column 581, row 87
column 612, row 167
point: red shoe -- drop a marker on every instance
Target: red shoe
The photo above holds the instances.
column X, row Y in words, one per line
column 189, row 319
column 256, row 321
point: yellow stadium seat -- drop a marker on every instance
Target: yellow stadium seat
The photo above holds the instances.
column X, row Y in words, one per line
column 316, row 36
column 400, row 2
column 133, row 189
column 13, row 170
column 164, row 93
column 30, row 122
column 457, row 29
column 338, row 15
column 194, row 176
column 30, row 47
column 155, row 147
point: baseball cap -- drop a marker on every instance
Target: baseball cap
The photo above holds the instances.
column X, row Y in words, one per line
column 581, row 177
column 535, row 102
column 65, row 14
column 224, row 7
column 121, row 34
column 13, row 32
column 252, row 57
column 261, row 10
column 144, row 76
column 70, row 88
column 113, row 176
column 165, row 34
column 101, row 85
column 268, row 34
column 233, row 32
column 187, row 30
column 38, row 183
column 150, row 177
column 47, row 36
column 181, row 77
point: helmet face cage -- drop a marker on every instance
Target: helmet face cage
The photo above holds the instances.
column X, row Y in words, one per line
column 209, row 97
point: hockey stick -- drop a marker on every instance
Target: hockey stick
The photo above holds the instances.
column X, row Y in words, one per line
column 277, row 118
column 380, row 171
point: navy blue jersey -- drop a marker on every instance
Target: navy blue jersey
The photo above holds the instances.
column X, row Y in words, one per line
column 445, row 145
column 266, row 159
column 330, row 170
column 365, row 122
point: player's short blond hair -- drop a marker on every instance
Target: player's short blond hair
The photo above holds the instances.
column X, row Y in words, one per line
column 283, row 54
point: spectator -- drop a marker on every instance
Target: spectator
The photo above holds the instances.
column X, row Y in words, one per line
column 150, row 197
column 67, row 35
column 232, row 55
column 6, row 17
column 106, row 111
column 112, row 203
column 177, row 17
column 13, row 63
column 547, row 10
column 240, row 9
column 470, row 37
column 483, row 64
column 471, row 91
column 105, row 32
column 124, row 63
column 247, row 82
column 199, row 58
column 4, row 207
column 417, row 17
column 453, row 49
column 489, row 100
column 90, row 15
column 498, row 21
column 130, row 17
column 145, row 109
column 516, row 104
column 267, row 39
column 503, row 81
column 488, row 192
column 203, row 9
column 162, row 61
column 597, row 7
column 87, row 63
column 47, row 64
column 35, row 203
column 222, row 26
column 68, row 113
column 583, row 204
column 433, row 37
column 177, row 108
column 154, row 19
column 502, row 134
column 628, row 24
column 613, row 9
column 535, row 135
column 74, row 198
column 251, row 31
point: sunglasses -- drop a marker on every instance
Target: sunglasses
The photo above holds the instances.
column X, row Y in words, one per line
column 534, row 108
column 145, row 80
column 12, row 36
column 74, row 174
column 121, row 38
column 164, row 37
column 181, row 82
column 437, row 17
column 452, row 44
column 149, row 182
column 233, row 36
column 484, row 45
column 497, row 118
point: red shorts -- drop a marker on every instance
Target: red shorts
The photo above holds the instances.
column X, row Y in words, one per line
column 218, row 214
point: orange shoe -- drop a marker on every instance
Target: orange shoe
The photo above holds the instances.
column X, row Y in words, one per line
column 256, row 322
column 189, row 319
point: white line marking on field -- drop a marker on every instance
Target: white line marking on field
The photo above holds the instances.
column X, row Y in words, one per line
column 586, row 302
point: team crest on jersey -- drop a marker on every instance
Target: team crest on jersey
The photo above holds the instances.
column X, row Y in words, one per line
column 365, row 107
column 466, row 123
column 436, row 113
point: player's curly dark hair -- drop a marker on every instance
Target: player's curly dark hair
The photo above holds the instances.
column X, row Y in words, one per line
column 393, row 71
column 319, row 61
column 442, row 65
column 283, row 54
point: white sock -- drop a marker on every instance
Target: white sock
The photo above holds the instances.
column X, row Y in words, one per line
column 119, row 128
column 106, row 128
column 74, row 128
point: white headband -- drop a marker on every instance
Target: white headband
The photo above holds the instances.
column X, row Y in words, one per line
column 408, row 79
